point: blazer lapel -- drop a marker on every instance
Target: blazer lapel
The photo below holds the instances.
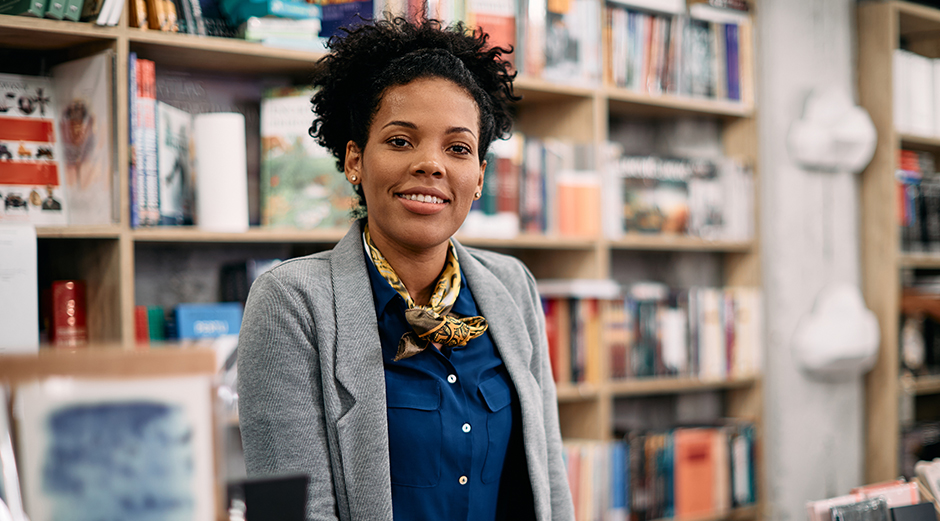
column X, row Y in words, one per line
column 509, row 332
column 362, row 429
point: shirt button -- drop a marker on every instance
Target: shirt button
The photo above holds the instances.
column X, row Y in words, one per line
column 466, row 427
column 462, row 480
column 451, row 378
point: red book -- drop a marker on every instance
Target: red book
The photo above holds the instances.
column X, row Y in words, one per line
column 695, row 472
column 68, row 327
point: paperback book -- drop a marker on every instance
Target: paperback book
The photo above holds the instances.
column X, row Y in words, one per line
column 32, row 187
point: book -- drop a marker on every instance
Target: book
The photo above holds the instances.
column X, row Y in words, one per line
column 55, row 9
column 23, row 7
column 175, row 164
column 135, row 187
column 865, row 510
column 32, row 188
column 343, row 13
column 195, row 321
column 137, row 14
column 915, row 512
column 19, row 264
column 73, row 10
column 300, row 184
column 572, row 42
column 695, row 471
column 83, row 88
column 496, row 18
column 145, row 139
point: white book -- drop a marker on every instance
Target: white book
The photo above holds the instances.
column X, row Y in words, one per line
column 717, row 14
column 18, row 318
column 936, row 97
column 583, row 288
column 711, row 337
column 921, row 89
column 902, row 95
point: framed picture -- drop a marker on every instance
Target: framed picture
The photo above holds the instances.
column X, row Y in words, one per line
column 93, row 449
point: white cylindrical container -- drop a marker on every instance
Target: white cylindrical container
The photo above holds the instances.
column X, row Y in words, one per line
column 221, row 172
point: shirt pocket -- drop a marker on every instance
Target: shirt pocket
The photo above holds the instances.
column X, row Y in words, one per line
column 415, row 431
column 497, row 395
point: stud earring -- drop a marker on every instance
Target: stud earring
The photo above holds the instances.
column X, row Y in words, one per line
column 353, row 178
column 477, row 195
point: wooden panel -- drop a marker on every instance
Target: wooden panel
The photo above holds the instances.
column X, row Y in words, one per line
column 586, row 419
column 877, row 28
column 106, row 361
column 633, row 104
column 24, row 32
column 566, row 118
column 97, row 262
column 563, row 263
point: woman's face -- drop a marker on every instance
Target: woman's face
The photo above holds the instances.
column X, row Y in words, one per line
column 420, row 167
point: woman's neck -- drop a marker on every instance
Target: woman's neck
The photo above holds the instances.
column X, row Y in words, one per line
column 417, row 270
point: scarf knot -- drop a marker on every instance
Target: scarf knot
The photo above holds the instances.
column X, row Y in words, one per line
column 432, row 323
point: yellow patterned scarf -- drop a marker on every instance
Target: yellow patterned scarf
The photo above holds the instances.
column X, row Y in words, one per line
column 431, row 323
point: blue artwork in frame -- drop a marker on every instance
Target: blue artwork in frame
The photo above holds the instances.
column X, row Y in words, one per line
column 115, row 450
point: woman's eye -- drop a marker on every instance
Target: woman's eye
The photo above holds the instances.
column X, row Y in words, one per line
column 461, row 149
column 398, row 142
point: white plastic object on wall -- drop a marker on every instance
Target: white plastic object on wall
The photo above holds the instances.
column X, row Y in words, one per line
column 832, row 134
column 839, row 338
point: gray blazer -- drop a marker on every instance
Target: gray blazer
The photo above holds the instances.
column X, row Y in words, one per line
column 311, row 381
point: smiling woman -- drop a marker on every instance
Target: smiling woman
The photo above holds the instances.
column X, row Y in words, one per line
column 406, row 374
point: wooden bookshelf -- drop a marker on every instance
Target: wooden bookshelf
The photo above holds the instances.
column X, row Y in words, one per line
column 104, row 256
column 881, row 28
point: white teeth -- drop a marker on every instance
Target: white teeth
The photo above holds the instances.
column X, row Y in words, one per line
column 423, row 198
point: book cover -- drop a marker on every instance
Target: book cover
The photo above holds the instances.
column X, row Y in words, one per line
column 695, row 470
column 208, row 320
column 915, row 512
column 733, row 62
column 341, row 13
column 300, row 184
column 32, row 187
column 175, row 158
column 19, row 265
column 83, row 88
column 496, row 18
column 137, row 14
column 655, row 192
column 91, row 9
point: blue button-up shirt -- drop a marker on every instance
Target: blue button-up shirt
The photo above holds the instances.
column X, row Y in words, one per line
column 454, row 423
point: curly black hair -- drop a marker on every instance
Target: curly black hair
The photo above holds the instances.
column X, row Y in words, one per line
column 371, row 57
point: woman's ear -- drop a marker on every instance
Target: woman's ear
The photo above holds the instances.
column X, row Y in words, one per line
column 352, row 167
column 480, row 181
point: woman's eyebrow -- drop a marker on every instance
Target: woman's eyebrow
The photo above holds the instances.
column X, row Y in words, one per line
column 408, row 124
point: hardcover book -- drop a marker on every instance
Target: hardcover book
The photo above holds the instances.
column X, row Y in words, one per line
column 300, row 184
column 175, row 160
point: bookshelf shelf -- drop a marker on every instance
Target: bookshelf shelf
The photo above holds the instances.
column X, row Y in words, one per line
column 79, row 232
column 919, row 142
column 625, row 101
column 20, row 32
column 651, row 386
column 638, row 241
column 219, row 54
column 919, row 260
column 187, row 234
column 929, row 384
column 568, row 393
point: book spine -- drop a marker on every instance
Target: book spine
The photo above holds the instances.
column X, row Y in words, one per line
column 55, row 9
column 37, row 8
column 133, row 163
column 733, row 62
column 147, row 142
column 73, row 10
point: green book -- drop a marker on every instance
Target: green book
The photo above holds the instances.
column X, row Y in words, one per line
column 17, row 6
column 56, row 9
column 73, row 9
column 37, row 8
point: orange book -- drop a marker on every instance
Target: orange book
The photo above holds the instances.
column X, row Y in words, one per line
column 694, row 472
column 574, row 472
column 592, row 340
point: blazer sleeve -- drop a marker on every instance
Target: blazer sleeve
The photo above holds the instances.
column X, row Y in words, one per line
column 562, row 505
column 280, row 394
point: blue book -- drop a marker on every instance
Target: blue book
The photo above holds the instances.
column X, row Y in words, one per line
column 733, row 64
column 618, row 486
column 343, row 13
column 208, row 320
